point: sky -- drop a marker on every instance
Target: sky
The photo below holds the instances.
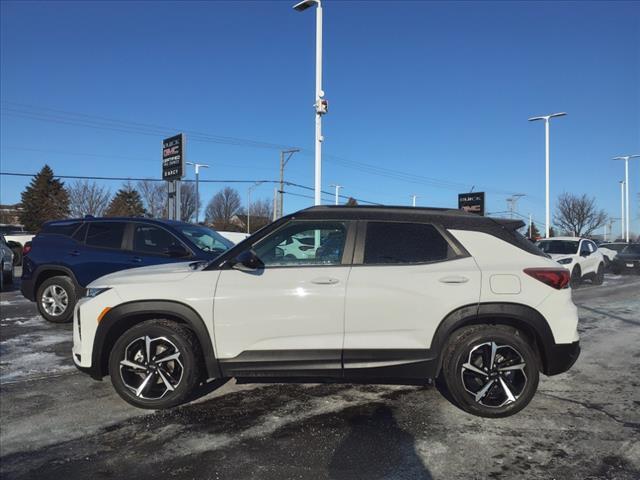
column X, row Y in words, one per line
column 425, row 98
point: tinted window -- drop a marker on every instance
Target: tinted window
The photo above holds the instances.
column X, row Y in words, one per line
column 65, row 229
column 81, row 233
column 295, row 244
column 403, row 243
column 631, row 249
column 584, row 248
column 153, row 240
column 562, row 247
column 105, row 234
column 205, row 239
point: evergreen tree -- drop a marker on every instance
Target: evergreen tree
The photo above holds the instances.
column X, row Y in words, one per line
column 126, row 203
column 351, row 202
column 44, row 199
column 535, row 233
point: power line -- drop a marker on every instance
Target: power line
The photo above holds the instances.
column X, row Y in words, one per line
column 106, row 123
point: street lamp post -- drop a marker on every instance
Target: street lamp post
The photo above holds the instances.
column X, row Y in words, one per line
column 622, row 183
column 197, row 167
column 546, row 119
column 249, row 190
column 626, row 191
column 413, row 199
column 321, row 104
column 337, row 187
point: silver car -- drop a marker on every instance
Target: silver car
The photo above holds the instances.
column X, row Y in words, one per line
column 6, row 263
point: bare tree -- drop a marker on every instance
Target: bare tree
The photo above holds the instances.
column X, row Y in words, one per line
column 222, row 207
column 154, row 197
column 261, row 214
column 88, row 198
column 578, row 215
column 188, row 201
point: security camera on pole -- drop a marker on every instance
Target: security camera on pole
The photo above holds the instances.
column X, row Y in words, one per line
column 321, row 104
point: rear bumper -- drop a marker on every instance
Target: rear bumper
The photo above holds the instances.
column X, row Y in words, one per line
column 561, row 357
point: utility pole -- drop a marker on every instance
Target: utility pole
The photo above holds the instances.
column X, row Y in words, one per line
column 321, row 104
column 413, row 197
column 197, row 167
column 285, row 156
column 337, row 187
column 626, row 188
column 530, row 227
column 546, row 119
column 512, row 202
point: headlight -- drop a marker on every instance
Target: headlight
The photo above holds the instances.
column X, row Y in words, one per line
column 565, row 261
column 94, row 292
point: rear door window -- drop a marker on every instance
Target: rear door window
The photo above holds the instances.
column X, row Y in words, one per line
column 105, row 234
column 404, row 243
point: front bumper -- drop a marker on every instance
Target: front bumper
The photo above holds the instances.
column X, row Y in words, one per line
column 561, row 357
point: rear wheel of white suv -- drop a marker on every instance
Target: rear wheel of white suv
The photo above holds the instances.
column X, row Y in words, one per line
column 490, row 370
column 156, row 364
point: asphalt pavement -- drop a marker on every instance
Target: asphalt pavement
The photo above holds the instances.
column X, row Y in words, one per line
column 583, row 424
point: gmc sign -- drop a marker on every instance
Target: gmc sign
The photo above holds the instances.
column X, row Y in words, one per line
column 173, row 157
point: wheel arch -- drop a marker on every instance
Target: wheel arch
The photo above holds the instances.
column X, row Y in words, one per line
column 524, row 318
column 122, row 317
column 46, row 272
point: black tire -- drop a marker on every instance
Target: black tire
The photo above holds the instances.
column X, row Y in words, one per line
column 17, row 256
column 615, row 268
column 598, row 279
column 60, row 282
column 183, row 375
column 7, row 278
column 473, row 345
column 576, row 276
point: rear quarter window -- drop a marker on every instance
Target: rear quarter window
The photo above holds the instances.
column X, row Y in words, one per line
column 66, row 229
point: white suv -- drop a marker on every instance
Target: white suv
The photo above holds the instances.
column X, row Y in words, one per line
column 578, row 255
column 391, row 295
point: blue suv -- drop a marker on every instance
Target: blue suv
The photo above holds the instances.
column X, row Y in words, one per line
column 67, row 255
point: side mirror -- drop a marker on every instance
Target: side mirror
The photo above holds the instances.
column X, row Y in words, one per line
column 247, row 261
column 178, row 251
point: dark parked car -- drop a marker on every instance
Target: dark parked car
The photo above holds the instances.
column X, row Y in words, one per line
column 67, row 255
column 628, row 260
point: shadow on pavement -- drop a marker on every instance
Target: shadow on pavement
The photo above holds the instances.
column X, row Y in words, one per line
column 376, row 447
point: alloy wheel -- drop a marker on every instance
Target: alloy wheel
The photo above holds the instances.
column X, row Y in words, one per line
column 151, row 367
column 55, row 300
column 494, row 374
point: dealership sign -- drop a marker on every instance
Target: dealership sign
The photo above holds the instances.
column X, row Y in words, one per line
column 173, row 157
column 471, row 202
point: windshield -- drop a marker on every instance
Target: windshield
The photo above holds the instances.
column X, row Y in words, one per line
column 561, row 247
column 206, row 239
column 618, row 247
column 635, row 249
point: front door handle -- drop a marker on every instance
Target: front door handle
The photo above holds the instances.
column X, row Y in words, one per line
column 74, row 253
column 454, row 279
column 325, row 281
column 136, row 259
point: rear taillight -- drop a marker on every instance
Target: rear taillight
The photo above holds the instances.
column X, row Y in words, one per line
column 557, row 278
column 26, row 249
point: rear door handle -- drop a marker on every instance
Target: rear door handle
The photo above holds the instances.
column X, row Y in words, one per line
column 454, row 279
column 325, row 281
column 74, row 253
column 136, row 259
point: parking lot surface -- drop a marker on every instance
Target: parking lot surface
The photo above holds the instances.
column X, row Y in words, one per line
column 584, row 424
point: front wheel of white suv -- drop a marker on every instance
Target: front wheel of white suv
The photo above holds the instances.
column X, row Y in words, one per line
column 156, row 364
column 490, row 370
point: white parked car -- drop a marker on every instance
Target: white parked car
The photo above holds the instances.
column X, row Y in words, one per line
column 578, row 255
column 17, row 238
column 400, row 295
column 611, row 250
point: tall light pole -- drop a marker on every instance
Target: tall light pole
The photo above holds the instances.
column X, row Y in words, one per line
column 249, row 190
column 626, row 188
column 622, row 183
column 413, row 197
column 546, row 119
column 197, row 166
column 337, row 187
column 512, row 202
column 321, row 104
column 285, row 156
